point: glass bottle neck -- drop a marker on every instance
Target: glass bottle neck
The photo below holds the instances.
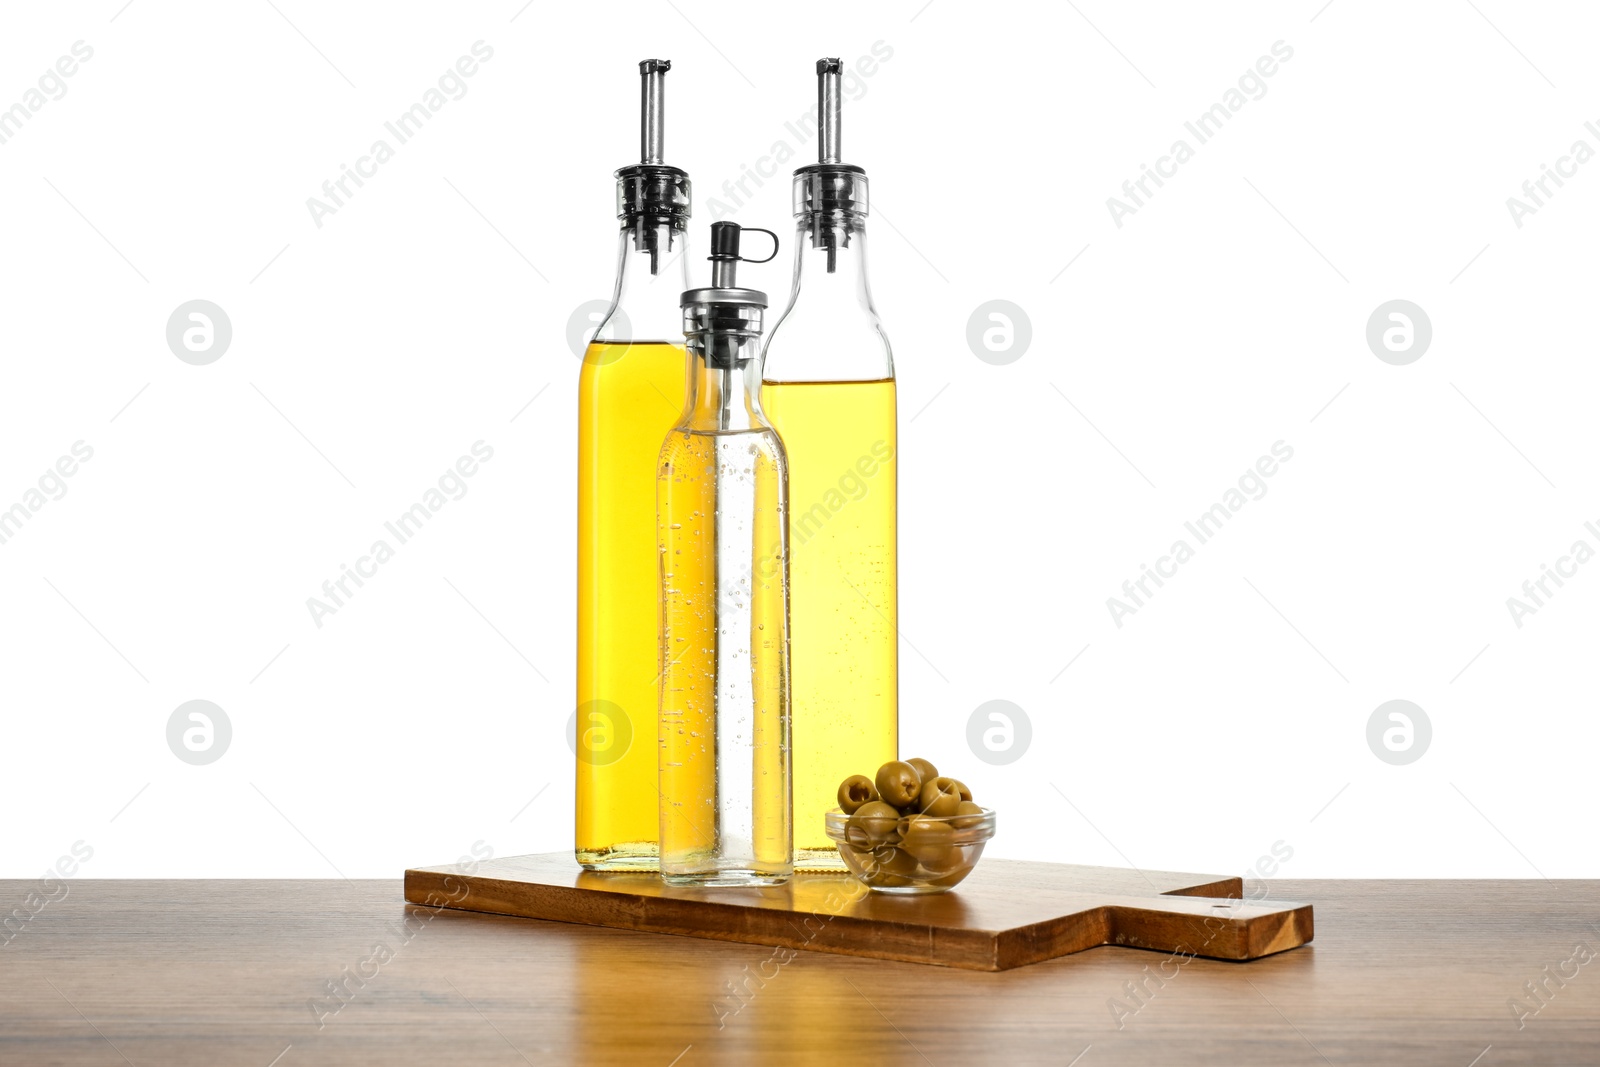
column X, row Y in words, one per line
column 831, row 249
column 830, row 330
column 652, row 274
column 724, row 391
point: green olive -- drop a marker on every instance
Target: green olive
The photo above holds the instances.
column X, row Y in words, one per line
column 918, row 827
column 925, row 770
column 886, row 862
column 939, row 797
column 857, row 857
column 856, row 838
column 878, row 821
column 939, row 859
column 967, row 815
column 898, row 784
column 954, row 876
column 855, row 791
column 960, row 788
column 930, row 840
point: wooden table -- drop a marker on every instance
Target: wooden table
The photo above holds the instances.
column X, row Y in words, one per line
column 240, row 972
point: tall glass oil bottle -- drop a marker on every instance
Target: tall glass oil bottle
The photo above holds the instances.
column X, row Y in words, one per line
column 630, row 393
column 829, row 390
column 721, row 494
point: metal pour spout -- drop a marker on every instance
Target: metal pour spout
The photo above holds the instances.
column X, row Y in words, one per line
column 722, row 324
column 652, row 108
column 725, row 257
column 828, row 107
column 653, row 198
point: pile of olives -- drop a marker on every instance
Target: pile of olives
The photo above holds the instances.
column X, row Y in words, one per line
column 905, row 825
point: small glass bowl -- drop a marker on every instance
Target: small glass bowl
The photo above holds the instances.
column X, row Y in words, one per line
column 921, row 854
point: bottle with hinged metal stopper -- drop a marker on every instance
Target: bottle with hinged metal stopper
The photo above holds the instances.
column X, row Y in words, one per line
column 629, row 394
column 830, row 392
column 721, row 513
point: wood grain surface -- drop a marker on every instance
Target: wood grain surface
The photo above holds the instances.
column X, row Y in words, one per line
column 222, row 973
column 1006, row 914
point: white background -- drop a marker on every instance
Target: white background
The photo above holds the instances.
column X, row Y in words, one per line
column 1227, row 314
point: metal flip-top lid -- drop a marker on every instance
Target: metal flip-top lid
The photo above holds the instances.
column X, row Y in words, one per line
column 829, row 185
column 723, row 319
column 650, row 189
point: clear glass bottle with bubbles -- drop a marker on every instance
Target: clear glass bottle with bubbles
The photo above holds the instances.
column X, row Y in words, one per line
column 722, row 517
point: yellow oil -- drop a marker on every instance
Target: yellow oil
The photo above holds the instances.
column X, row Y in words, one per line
column 629, row 397
column 843, row 653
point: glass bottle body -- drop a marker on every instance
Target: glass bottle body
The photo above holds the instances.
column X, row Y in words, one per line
column 829, row 390
column 725, row 804
column 630, row 393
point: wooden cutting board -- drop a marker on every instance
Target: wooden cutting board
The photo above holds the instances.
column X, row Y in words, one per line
column 1008, row 913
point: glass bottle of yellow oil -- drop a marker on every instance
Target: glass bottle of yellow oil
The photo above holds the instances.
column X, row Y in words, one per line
column 630, row 393
column 829, row 390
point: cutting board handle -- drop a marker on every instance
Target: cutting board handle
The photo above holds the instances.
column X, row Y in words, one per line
column 1215, row 927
